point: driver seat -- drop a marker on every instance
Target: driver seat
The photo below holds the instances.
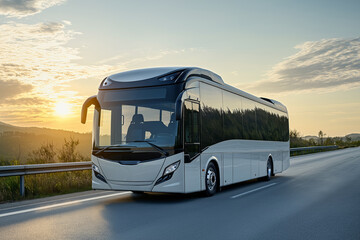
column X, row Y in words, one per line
column 136, row 131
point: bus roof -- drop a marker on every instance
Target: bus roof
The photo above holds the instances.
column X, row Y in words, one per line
column 155, row 77
column 169, row 75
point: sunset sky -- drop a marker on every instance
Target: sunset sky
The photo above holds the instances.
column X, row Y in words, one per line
column 305, row 54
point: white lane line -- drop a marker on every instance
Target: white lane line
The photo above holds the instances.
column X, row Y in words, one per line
column 50, row 201
column 61, row 204
column 254, row 190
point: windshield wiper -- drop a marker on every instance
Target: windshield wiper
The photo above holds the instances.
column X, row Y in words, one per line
column 159, row 149
column 110, row 146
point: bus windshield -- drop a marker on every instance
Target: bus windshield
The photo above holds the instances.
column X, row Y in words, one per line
column 135, row 123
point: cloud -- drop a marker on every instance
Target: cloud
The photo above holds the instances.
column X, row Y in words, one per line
column 325, row 65
column 35, row 65
column 25, row 101
column 13, row 116
column 49, row 28
column 23, row 8
column 36, row 54
column 12, row 88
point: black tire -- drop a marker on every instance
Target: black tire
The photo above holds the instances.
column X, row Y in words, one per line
column 269, row 170
column 138, row 192
column 211, row 180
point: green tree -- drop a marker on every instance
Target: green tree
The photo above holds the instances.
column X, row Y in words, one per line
column 45, row 154
column 294, row 134
column 312, row 142
column 68, row 151
column 329, row 141
column 295, row 139
column 321, row 137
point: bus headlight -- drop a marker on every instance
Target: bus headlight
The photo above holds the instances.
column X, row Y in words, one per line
column 97, row 173
column 171, row 168
column 168, row 172
column 95, row 168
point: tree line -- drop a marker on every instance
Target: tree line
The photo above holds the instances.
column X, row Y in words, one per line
column 47, row 153
column 322, row 140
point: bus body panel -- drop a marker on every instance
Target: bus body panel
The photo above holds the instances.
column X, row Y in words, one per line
column 241, row 166
column 227, row 168
column 174, row 184
column 238, row 160
column 144, row 172
column 286, row 160
column 192, row 176
column 96, row 182
column 248, row 159
column 277, row 158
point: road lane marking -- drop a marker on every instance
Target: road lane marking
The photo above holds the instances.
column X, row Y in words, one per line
column 61, row 204
column 50, row 201
column 254, row 190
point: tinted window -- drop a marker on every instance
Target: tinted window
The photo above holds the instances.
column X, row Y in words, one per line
column 272, row 124
column 211, row 116
column 233, row 117
column 225, row 116
column 263, row 122
column 192, row 122
column 249, row 118
column 191, row 128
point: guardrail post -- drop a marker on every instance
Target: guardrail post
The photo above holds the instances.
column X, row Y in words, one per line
column 22, row 185
column 22, row 170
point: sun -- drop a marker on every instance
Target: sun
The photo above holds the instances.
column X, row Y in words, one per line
column 62, row 109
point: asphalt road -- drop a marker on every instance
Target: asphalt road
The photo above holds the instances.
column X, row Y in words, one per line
column 318, row 197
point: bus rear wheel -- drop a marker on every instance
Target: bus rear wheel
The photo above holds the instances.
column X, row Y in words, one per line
column 211, row 180
column 269, row 170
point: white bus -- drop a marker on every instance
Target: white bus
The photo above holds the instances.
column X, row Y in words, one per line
column 183, row 130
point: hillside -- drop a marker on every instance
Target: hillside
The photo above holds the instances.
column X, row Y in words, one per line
column 18, row 142
column 307, row 138
column 354, row 136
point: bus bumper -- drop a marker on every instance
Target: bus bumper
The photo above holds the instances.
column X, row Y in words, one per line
column 170, row 183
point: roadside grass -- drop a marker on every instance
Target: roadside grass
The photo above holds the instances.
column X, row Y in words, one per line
column 44, row 185
column 298, row 153
column 48, row 184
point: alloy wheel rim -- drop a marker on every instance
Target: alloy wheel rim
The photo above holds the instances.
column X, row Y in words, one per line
column 269, row 169
column 211, row 179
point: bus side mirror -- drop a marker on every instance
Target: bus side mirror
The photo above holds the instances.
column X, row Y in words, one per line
column 90, row 101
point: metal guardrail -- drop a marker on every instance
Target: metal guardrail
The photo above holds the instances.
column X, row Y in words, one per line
column 312, row 148
column 22, row 170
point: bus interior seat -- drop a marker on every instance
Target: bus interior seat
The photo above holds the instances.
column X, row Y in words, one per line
column 136, row 131
column 155, row 128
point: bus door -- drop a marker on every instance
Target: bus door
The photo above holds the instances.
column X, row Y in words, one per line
column 191, row 129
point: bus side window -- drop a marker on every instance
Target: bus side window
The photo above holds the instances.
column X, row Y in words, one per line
column 191, row 128
column 195, row 123
column 188, row 120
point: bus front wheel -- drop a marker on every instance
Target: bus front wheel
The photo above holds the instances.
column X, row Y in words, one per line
column 138, row 192
column 211, row 179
